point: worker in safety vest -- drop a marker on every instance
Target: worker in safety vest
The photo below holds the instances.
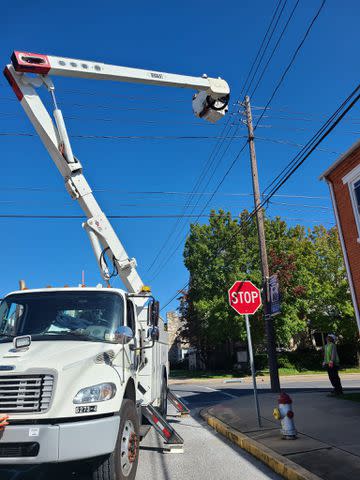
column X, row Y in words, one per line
column 331, row 362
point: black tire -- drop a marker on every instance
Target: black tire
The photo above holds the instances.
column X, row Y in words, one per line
column 122, row 463
column 163, row 397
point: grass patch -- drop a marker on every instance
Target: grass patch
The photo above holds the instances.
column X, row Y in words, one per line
column 181, row 374
column 294, row 371
column 350, row 370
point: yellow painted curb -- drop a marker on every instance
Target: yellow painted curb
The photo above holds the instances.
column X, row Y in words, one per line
column 281, row 465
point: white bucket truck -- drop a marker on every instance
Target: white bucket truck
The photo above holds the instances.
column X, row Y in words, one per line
column 83, row 371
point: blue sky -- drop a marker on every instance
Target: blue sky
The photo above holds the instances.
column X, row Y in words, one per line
column 181, row 37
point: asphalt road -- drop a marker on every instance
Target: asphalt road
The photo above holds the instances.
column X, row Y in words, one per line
column 207, row 455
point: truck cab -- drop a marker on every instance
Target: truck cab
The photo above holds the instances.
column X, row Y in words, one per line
column 69, row 358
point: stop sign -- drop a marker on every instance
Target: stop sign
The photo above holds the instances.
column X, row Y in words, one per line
column 244, row 297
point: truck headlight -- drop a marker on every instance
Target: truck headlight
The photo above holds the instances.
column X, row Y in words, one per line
column 96, row 393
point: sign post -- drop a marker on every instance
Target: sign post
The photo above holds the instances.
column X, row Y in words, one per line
column 252, row 366
column 245, row 298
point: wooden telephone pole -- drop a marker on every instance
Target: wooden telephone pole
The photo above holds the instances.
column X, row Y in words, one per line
column 270, row 331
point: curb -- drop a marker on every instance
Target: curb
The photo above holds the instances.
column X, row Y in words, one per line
column 281, row 465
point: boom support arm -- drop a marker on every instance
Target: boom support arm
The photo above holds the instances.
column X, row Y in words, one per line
column 55, row 138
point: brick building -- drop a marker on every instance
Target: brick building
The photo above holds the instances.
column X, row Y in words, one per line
column 343, row 178
column 177, row 349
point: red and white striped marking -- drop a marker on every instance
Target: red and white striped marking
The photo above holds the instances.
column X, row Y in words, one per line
column 162, row 427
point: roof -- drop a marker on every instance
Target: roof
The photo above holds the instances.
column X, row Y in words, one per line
column 355, row 146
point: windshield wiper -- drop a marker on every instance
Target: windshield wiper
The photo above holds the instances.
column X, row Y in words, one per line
column 74, row 335
column 7, row 335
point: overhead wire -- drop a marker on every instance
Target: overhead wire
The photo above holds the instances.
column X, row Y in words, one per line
column 255, row 61
column 209, row 164
column 275, row 48
column 267, row 44
column 315, row 140
column 320, row 135
column 282, row 78
column 292, row 60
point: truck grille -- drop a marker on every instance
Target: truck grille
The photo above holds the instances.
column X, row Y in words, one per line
column 25, row 393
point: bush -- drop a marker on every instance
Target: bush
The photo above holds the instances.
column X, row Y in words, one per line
column 180, row 365
column 303, row 360
column 348, row 354
column 300, row 360
column 284, row 362
column 308, row 359
column 261, row 361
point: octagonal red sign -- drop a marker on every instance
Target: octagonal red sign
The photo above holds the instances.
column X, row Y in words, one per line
column 244, row 297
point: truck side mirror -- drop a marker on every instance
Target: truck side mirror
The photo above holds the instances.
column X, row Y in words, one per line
column 154, row 313
column 123, row 334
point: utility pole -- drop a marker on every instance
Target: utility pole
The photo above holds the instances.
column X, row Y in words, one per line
column 270, row 331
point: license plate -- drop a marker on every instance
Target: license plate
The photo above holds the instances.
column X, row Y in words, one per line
column 86, row 409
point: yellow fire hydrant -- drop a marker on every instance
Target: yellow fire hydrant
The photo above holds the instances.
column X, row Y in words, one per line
column 285, row 413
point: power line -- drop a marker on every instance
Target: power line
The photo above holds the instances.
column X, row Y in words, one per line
column 316, row 139
column 152, row 192
column 267, row 44
column 292, row 60
column 275, row 48
column 129, row 137
column 207, row 203
column 293, row 144
column 260, row 48
column 322, row 207
column 68, row 217
column 125, row 120
column 173, row 251
column 116, row 108
column 318, row 134
column 209, row 164
column 286, row 70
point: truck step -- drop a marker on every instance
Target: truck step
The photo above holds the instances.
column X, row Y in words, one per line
column 173, row 442
column 178, row 404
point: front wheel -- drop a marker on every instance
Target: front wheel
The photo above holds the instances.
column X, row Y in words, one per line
column 122, row 463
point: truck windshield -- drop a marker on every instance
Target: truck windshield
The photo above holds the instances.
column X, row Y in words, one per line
column 87, row 316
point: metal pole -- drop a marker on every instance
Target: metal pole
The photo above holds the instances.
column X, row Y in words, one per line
column 270, row 332
column 252, row 366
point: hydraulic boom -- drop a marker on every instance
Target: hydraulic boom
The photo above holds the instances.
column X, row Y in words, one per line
column 209, row 103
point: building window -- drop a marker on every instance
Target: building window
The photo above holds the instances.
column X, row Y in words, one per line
column 354, row 186
column 352, row 179
column 357, row 196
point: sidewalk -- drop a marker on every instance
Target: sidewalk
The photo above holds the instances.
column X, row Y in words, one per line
column 328, row 443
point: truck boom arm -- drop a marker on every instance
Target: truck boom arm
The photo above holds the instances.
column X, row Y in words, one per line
column 69, row 67
column 212, row 98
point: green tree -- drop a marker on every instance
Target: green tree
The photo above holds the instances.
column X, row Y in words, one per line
column 308, row 263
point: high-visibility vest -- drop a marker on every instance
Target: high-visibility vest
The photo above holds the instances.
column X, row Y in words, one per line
column 331, row 354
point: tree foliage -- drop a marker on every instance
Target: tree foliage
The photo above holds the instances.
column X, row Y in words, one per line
column 310, row 269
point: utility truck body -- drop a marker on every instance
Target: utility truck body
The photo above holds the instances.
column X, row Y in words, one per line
column 83, row 371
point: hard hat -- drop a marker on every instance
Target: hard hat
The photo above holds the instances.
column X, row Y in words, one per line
column 331, row 335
